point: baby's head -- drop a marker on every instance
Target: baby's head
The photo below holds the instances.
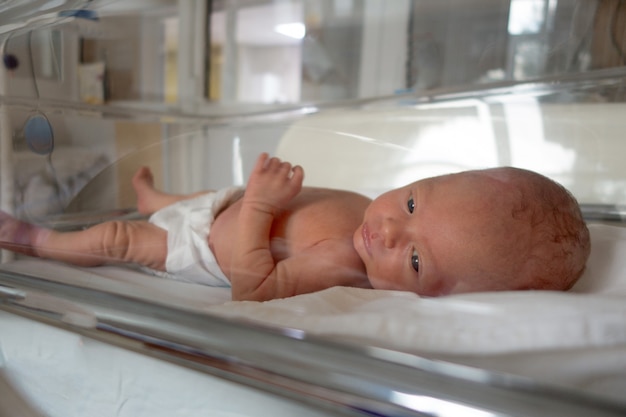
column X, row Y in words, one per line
column 487, row 230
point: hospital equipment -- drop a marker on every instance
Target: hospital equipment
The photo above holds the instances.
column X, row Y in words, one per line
column 113, row 341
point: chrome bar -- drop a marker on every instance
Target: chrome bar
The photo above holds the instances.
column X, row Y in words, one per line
column 339, row 378
column 219, row 115
column 604, row 212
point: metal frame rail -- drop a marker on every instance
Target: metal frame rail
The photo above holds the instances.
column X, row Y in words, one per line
column 337, row 378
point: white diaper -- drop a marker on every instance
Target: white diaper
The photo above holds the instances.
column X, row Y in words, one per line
column 188, row 223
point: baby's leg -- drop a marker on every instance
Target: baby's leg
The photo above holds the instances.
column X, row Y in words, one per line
column 149, row 199
column 116, row 241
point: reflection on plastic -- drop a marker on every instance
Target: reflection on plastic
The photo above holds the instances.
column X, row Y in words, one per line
column 437, row 407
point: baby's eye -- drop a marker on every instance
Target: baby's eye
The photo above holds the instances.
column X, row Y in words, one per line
column 411, row 204
column 415, row 261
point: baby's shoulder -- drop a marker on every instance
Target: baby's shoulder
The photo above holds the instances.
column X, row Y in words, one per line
column 333, row 197
column 331, row 207
column 318, row 214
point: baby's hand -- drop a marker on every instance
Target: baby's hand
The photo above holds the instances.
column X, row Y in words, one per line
column 273, row 184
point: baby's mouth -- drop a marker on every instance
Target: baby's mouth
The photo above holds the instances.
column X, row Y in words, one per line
column 366, row 239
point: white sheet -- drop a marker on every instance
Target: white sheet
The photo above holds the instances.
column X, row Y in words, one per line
column 572, row 334
column 126, row 281
column 593, row 313
column 64, row 374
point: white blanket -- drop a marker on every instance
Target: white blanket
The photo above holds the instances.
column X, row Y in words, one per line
column 575, row 339
column 593, row 313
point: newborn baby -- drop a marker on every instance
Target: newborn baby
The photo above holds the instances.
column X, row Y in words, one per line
column 487, row 230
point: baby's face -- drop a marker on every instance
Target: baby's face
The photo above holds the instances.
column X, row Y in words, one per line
column 433, row 237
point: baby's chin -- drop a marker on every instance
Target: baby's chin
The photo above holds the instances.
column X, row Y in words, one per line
column 378, row 283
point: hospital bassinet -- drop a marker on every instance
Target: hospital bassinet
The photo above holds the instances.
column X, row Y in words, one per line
column 114, row 341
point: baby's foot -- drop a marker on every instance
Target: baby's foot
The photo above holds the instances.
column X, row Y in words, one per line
column 143, row 183
column 16, row 235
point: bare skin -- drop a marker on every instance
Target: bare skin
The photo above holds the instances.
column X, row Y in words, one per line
column 310, row 235
column 471, row 231
column 278, row 241
column 149, row 199
column 277, row 232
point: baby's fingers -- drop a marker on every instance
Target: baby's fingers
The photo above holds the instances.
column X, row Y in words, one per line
column 297, row 174
column 292, row 174
column 261, row 162
column 273, row 165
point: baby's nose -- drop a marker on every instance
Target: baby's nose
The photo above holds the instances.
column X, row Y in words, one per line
column 391, row 232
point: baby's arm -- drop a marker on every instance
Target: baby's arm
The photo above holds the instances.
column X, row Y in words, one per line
column 272, row 185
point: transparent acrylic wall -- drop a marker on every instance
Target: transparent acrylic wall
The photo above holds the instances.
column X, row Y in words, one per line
column 373, row 95
column 289, row 51
column 193, row 73
column 357, row 49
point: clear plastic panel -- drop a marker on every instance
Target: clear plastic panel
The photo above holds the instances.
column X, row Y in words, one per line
column 569, row 131
column 540, row 83
column 369, row 146
column 366, row 96
column 177, row 55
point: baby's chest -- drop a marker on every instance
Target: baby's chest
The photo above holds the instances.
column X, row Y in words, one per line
column 309, row 219
column 297, row 231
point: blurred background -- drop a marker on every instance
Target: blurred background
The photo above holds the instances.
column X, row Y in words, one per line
column 197, row 88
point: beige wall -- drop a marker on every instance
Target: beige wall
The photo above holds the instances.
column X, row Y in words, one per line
column 609, row 35
column 137, row 144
